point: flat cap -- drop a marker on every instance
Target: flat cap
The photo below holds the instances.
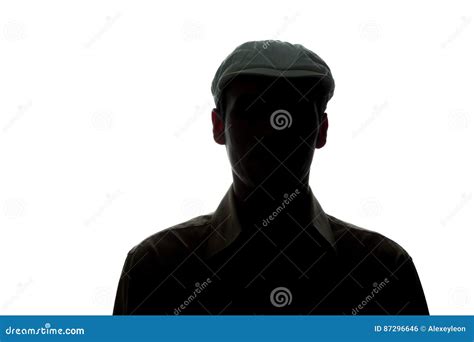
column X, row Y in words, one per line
column 273, row 58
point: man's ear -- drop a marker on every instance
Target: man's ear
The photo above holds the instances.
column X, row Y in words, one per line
column 323, row 131
column 218, row 127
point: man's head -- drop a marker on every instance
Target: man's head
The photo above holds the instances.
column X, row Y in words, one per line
column 271, row 116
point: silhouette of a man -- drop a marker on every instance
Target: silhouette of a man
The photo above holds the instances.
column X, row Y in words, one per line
column 269, row 248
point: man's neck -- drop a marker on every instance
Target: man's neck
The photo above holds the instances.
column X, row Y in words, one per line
column 287, row 206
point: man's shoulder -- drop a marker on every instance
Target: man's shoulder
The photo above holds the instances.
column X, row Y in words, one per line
column 174, row 243
column 356, row 241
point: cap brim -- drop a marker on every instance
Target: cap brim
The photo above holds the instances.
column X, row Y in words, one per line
column 324, row 80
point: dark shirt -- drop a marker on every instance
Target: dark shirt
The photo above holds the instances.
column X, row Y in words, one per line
column 213, row 264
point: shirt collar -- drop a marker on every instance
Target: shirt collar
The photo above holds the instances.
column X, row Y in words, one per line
column 227, row 227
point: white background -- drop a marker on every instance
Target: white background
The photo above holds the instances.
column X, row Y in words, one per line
column 105, row 134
